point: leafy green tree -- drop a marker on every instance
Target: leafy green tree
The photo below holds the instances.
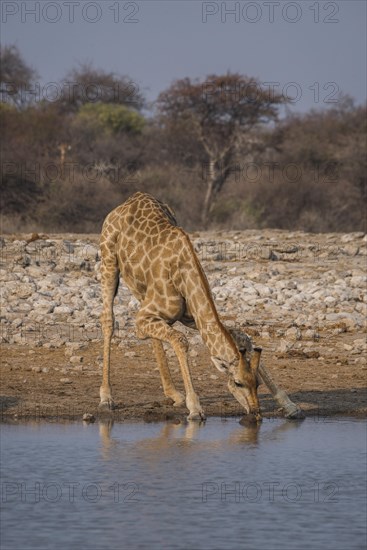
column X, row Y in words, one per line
column 110, row 119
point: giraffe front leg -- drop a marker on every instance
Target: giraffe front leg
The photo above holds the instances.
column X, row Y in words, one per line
column 291, row 410
column 167, row 382
column 153, row 327
column 105, row 391
column 109, row 280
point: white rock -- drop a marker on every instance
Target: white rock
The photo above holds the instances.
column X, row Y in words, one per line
column 293, row 333
column 75, row 359
column 284, row 346
column 310, row 334
column 330, row 301
column 63, row 309
column 36, row 369
column 360, row 344
column 359, row 282
column 24, row 290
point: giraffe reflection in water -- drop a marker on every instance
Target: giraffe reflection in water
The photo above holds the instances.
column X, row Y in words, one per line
column 188, row 437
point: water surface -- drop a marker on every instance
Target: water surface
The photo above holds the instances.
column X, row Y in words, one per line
column 283, row 485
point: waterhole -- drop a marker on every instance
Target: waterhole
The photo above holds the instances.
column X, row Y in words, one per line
column 280, row 485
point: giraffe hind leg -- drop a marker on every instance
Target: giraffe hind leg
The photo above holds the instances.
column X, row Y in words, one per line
column 167, row 382
column 151, row 326
column 109, row 281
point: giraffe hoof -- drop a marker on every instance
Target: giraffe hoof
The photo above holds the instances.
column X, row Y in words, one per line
column 108, row 404
column 296, row 414
column 197, row 416
column 179, row 400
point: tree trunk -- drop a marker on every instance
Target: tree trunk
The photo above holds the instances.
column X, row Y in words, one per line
column 209, row 192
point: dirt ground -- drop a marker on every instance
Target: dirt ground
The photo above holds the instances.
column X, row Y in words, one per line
column 322, row 388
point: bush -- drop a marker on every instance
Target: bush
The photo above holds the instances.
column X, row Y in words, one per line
column 109, row 119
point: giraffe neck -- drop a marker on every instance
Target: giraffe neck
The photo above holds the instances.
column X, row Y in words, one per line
column 196, row 291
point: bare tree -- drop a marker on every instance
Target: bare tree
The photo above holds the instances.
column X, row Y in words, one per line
column 222, row 112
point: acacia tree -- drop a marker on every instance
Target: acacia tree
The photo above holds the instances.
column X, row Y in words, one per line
column 221, row 113
column 86, row 84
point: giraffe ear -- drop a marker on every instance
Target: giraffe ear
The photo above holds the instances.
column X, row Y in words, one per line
column 220, row 364
column 255, row 359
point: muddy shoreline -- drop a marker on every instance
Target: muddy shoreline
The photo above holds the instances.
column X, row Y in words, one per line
column 29, row 394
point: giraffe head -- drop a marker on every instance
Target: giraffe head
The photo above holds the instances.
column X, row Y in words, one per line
column 243, row 379
column 243, row 382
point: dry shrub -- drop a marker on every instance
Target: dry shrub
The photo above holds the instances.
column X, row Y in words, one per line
column 177, row 186
column 79, row 204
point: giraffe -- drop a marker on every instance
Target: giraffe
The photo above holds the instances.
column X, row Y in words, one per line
column 141, row 241
column 63, row 148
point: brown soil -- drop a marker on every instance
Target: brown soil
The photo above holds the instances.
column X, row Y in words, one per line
column 321, row 386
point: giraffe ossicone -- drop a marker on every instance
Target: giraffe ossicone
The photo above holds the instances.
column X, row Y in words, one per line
column 141, row 241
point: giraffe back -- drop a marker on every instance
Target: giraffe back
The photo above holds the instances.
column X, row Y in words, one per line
column 141, row 235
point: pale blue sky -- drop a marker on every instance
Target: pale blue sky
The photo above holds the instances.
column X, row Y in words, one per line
column 175, row 39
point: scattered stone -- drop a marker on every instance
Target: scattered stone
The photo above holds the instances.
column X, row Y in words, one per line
column 63, row 310
column 310, row 334
column 360, row 344
column 65, row 380
column 75, row 359
column 24, row 290
column 293, row 333
column 72, row 347
column 314, row 288
column 284, row 346
column 330, row 301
